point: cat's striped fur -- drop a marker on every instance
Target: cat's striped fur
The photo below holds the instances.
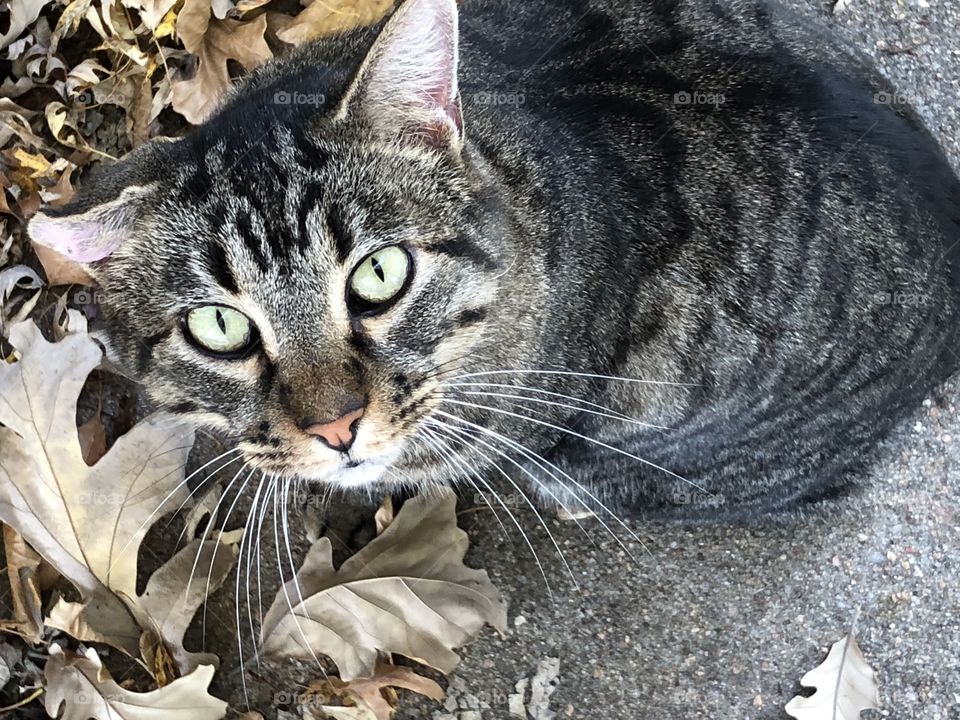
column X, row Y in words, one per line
column 704, row 195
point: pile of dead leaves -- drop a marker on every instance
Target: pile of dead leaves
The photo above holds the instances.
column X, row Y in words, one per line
column 78, row 519
column 88, row 80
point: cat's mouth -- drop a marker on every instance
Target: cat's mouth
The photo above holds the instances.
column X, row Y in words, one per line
column 352, row 471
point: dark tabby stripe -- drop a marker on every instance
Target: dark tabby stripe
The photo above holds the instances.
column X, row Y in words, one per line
column 220, row 268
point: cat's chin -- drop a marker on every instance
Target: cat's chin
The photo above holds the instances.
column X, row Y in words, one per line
column 357, row 475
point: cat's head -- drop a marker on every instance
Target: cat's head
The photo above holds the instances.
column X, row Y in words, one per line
column 304, row 275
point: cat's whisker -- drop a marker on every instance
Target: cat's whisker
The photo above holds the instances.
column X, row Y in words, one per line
column 148, row 459
column 506, row 508
column 439, row 445
column 216, row 547
column 571, row 373
column 573, row 433
column 473, row 434
column 601, row 410
column 209, row 527
column 261, row 519
column 539, row 459
column 283, row 584
column 442, row 367
column 527, row 500
column 193, row 492
column 163, row 502
column 284, row 514
column 245, row 544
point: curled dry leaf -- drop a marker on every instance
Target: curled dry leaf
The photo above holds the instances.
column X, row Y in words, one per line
column 845, row 683
column 214, row 42
column 373, row 698
column 81, row 688
column 152, row 12
column 59, row 269
column 327, row 17
column 19, row 277
column 21, row 14
column 407, row 592
column 23, row 574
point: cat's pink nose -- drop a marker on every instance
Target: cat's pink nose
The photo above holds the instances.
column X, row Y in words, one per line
column 339, row 434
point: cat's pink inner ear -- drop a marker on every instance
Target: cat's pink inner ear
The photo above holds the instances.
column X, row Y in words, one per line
column 408, row 86
column 80, row 239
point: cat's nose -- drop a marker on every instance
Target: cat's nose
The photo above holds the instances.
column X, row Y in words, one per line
column 339, row 434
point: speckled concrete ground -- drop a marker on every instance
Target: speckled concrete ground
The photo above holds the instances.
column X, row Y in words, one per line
column 721, row 622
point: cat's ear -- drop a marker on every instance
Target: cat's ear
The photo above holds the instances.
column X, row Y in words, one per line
column 407, row 86
column 87, row 231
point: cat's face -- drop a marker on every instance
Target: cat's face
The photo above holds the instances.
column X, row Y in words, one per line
column 304, row 281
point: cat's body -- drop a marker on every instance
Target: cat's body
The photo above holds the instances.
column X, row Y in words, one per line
column 704, row 196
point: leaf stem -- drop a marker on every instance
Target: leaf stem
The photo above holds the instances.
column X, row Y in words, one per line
column 29, row 699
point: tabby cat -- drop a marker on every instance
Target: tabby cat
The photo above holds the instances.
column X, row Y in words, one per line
column 683, row 259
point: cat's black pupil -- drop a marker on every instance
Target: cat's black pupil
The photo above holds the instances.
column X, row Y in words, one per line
column 221, row 322
column 378, row 270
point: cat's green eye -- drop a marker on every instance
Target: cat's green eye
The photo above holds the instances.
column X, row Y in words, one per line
column 380, row 277
column 220, row 330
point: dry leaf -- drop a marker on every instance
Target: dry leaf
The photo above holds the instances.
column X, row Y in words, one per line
column 203, row 508
column 93, row 440
column 214, row 42
column 15, row 122
column 373, row 698
column 328, row 17
column 21, row 14
column 59, row 269
column 23, row 574
column 407, row 592
column 64, row 127
column 170, row 600
column 245, row 6
column 82, row 688
column 384, row 515
column 60, row 505
column 157, row 657
column 845, row 683
column 152, row 12
column 18, row 277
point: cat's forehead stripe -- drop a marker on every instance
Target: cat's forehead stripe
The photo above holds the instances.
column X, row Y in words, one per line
column 219, row 267
column 340, row 231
